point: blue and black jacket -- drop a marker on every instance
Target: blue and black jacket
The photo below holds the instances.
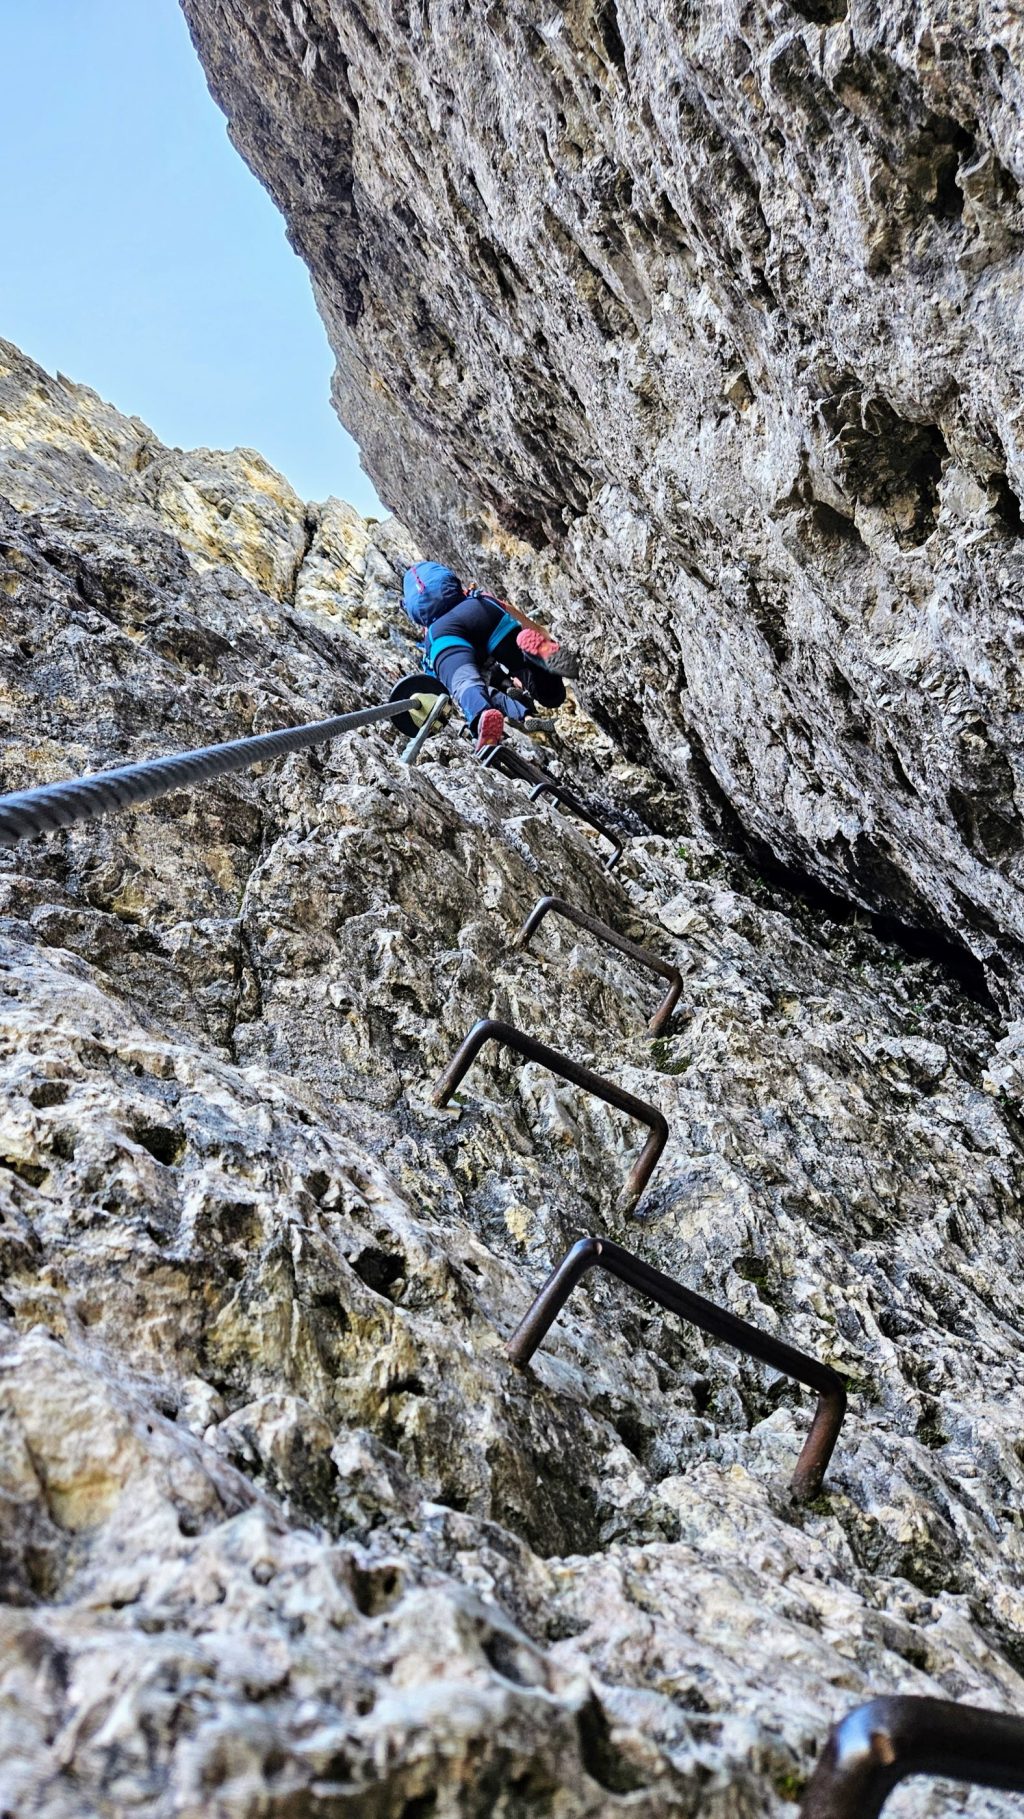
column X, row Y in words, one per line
column 480, row 625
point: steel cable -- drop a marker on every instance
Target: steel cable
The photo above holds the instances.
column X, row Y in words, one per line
column 53, row 805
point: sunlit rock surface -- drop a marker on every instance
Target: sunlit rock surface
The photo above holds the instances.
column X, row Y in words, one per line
column 707, row 320
column 281, row 1530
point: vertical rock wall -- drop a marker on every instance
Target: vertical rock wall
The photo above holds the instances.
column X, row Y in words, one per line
column 282, row 1532
column 702, row 325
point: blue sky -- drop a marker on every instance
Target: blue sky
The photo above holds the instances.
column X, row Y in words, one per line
column 140, row 255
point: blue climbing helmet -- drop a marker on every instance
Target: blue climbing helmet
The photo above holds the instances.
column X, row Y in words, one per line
column 429, row 590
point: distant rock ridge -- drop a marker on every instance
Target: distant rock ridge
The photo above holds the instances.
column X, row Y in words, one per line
column 702, row 327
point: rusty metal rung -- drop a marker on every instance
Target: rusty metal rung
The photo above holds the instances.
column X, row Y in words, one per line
column 559, row 907
column 490, row 1029
column 878, row 1744
column 718, row 1321
column 570, row 800
column 504, row 758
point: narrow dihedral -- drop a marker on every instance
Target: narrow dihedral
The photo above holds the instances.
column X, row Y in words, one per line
column 590, row 1253
column 879, row 1744
column 490, row 1029
column 557, row 906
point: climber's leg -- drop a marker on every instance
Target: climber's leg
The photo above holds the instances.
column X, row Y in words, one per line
column 458, row 671
column 561, row 659
column 490, row 729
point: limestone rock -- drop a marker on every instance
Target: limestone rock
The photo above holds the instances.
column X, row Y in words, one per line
column 701, row 328
column 281, row 1529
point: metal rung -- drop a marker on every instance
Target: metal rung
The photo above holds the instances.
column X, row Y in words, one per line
column 559, row 907
column 571, row 801
column 489, row 1029
column 718, row 1321
column 878, row 1744
column 504, row 758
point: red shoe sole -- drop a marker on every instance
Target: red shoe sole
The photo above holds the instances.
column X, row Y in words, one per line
column 490, row 728
column 536, row 644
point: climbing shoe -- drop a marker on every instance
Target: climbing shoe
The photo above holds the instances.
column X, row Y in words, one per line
column 490, row 730
column 534, row 725
column 554, row 656
column 536, row 643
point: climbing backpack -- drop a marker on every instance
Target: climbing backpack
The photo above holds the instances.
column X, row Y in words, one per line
column 429, row 590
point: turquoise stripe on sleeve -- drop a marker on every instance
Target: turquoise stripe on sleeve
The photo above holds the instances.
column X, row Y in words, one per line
column 505, row 625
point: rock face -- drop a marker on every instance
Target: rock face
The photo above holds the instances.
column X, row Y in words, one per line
column 703, row 323
column 282, row 1532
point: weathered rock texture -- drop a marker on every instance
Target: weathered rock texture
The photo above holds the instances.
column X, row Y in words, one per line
column 704, row 322
column 282, row 1534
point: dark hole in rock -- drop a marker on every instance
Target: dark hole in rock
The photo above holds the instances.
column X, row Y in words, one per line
column 329, row 1302
column 510, row 1659
column 238, row 1222
column 489, row 259
column 607, row 24
column 406, row 1386
column 62, row 1144
column 380, row 1270
column 164, row 1143
column 820, row 12
column 903, row 781
column 421, row 1806
column 25, row 1171
column 832, row 526
column 751, row 1269
column 953, row 145
column 49, row 1092
column 884, row 459
column 317, row 1183
column 374, row 1588
column 1005, row 505
column 770, row 618
column 692, row 1700
column 337, row 1768
column 702, row 1391
column 632, row 1434
column 603, row 1762
column 931, row 1434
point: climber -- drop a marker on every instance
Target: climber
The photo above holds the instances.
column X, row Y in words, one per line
column 467, row 634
